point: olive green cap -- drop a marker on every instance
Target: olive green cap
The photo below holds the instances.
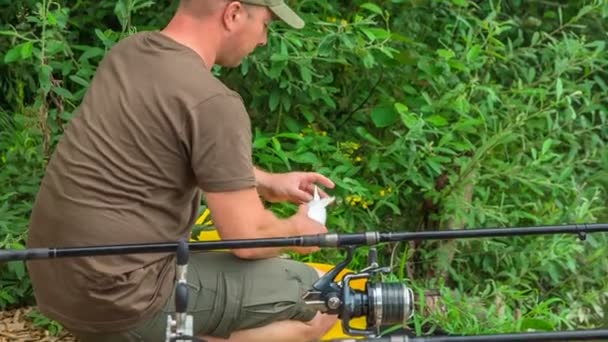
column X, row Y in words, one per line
column 281, row 10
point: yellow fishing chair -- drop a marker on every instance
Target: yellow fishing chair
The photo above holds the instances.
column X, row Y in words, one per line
column 336, row 331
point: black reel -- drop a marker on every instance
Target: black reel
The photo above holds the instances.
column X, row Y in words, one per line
column 382, row 303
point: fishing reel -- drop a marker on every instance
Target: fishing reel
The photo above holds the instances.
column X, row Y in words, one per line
column 382, row 303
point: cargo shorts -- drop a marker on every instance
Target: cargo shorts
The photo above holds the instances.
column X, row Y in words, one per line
column 227, row 294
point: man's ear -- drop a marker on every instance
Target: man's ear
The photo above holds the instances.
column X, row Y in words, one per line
column 234, row 14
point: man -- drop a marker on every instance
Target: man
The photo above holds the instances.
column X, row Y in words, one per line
column 154, row 129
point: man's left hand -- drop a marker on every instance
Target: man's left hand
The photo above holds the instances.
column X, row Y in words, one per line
column 295, row 187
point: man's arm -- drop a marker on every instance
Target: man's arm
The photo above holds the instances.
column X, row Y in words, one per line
column 263, row 179
column 241, row 215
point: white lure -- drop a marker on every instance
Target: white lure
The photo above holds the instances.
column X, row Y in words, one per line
column 316, row 207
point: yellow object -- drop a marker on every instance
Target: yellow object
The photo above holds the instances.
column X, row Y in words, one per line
column 336, row 331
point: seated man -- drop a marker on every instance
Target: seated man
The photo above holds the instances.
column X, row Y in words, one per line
column 155, row 132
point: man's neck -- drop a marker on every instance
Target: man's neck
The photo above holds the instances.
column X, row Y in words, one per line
column 188, row 31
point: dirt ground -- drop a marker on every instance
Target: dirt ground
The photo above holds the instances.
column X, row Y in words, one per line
column 15, row 326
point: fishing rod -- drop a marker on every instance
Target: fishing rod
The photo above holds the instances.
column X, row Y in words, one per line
column 574, row 335
column 319, row 240
column 383, row 304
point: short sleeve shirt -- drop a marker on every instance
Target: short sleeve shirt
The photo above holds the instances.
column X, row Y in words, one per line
column 154, row 128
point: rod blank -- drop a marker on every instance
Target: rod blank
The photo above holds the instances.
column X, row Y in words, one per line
column 322, row 240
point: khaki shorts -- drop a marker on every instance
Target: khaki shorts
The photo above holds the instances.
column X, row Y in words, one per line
column 227, row 294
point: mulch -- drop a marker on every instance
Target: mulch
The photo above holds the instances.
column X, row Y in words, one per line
column 16, row 326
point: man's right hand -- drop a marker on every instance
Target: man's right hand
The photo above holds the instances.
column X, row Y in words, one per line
column 306, row 226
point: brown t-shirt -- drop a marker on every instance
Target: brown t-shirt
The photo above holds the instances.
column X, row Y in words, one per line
column 154, row 128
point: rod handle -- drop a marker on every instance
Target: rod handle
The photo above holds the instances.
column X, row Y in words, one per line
column 182, row 252
column 181, row 298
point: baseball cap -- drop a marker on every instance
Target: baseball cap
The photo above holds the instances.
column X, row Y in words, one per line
column 281, row 10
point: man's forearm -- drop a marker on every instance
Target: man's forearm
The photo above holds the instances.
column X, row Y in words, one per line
column 262, row 177
column 263, row 180
column 270, row 227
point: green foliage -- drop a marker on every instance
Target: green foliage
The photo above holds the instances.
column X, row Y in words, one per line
column 43, row 322
column 21, row 167
column 428, row 115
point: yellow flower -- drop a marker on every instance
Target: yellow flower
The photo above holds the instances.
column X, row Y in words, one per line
column 382, row 193
column 358, row 159
column 353, row 200
column 350, row 146
column 343, row 22
column 324, row 133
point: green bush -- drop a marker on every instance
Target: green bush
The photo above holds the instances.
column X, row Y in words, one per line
column 428, row 115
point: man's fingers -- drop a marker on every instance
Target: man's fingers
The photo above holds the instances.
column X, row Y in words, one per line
column 319, row 178
column 304, row 196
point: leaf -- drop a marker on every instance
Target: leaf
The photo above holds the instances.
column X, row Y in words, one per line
column 446, row 54
column 559, row 89
column 401, row 108
column 365, row 134
column 55, row 46
column 13, row 54
column 535, row 38
column 306, row 74
column 286, row 102
column 278, row 149
column 62, row 92
column 372, row 8
column 44, row 77
column 536, row 324
column 99, row 33
column 473, row 53
column 374, row 162
column 26, row 50
column 376, row 33
column 384, row 116
column 306, row 158
column 91, row 52
column 79, row 80
column 19, row 52
column 51, row 18
column 410, row 120
column 279, row 57
column 260, row 143
column 308, row 115
column 546, row 146
column 461, row 3
column 17, row 268
column 437, row 120
column 273, row 100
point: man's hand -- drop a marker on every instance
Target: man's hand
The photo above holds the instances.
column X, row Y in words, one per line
column 295, row 187
column 306, row 226
column 252, row 221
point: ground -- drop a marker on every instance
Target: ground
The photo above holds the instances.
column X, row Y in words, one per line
column 16, row 326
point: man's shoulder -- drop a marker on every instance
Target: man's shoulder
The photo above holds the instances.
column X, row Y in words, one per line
column 173, row 66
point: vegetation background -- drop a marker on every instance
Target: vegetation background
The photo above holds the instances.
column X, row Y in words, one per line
column 428, row 115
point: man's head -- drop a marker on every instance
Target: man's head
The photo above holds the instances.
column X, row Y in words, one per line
column 236, row 28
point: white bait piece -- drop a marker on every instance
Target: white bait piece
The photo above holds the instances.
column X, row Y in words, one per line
column 316, row 207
